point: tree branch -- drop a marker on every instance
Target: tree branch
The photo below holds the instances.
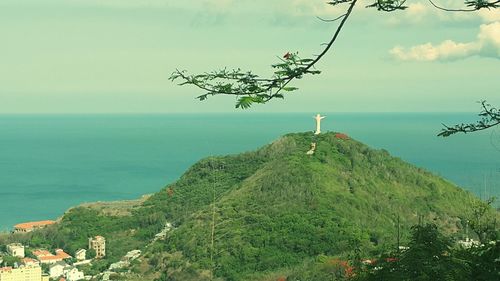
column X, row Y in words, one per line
column 250, row 88
column 490, row 117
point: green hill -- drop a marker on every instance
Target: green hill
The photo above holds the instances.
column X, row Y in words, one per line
column 277, row 207
column 266, row 213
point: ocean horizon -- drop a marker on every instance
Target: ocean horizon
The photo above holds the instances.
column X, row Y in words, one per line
column 51, row 162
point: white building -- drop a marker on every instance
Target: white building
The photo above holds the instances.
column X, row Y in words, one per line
column 22, row 273
column 80, row 255
column 73, row 274
column 57, row 269
column 132, row 255
column 468, row 243
column 16, row 250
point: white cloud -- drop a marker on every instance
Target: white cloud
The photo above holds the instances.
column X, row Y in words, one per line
column 486, row 45
column 489, row 37
column 490, row 15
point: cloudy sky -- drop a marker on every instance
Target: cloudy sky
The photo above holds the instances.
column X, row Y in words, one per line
column 115, row 56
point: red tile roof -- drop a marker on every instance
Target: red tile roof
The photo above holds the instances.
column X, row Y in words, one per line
column 29, row 261
column 8, row 268
column 33, row 224
column 44, row 255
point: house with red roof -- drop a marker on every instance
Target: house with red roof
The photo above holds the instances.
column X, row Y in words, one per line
column 30, row 226
column 46, row 257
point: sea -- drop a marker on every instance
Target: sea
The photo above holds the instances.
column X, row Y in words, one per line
column 49, row 163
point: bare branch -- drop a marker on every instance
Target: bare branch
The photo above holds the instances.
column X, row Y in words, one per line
column 331, row 20
column 476, row 4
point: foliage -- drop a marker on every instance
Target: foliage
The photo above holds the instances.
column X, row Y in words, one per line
column 250, row 88
column 484, row 261
column 11, row 260
column 277, row 207
column 432, row 257
column 481, row 219
column 277, row 210
column 90, row 253
column 490, row 117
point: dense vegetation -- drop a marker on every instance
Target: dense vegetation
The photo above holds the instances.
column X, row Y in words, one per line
column 278, row 207
column 275, row 213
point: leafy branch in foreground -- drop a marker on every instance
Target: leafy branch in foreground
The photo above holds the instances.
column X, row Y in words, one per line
column 490, row 116
column 250, row 88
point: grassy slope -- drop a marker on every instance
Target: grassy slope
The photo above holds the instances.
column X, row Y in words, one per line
column 278, row 206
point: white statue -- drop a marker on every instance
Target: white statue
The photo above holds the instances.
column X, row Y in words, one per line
column 318, row 123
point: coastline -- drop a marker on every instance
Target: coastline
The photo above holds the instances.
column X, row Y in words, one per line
column 114, row 208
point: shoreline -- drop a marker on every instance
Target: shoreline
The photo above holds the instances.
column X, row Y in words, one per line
column 107, row 207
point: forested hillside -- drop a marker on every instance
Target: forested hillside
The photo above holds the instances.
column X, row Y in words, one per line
column 272, row 212
column 277, row 207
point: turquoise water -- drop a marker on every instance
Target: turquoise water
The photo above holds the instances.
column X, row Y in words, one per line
column 49, row 163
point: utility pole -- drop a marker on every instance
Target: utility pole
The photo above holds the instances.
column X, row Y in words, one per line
column 213, row 225
column 398, row 238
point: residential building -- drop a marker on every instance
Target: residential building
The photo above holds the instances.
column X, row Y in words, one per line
column 22, row 273
column 80, row 254
column 468, row 243
column 30, row 261
column 16, row 250
column 73, row 274
column 46, row 257
column 57, row 269
column 30, row 226
column 98, row 243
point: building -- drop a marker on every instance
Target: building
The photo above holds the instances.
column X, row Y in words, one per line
column 57, row 269
column 30, row 261
column 22, row 273
column 73, row 274
column 468, row 243
column 80, row 254
column 98, row 244
column 46, row 257
column 132, row 255
column 16, row 250
column 30, row 226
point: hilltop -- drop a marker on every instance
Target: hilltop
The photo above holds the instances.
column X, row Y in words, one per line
column 259, row 214
column 276, row 207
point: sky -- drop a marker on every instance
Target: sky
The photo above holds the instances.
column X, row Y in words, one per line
column 115, row 56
